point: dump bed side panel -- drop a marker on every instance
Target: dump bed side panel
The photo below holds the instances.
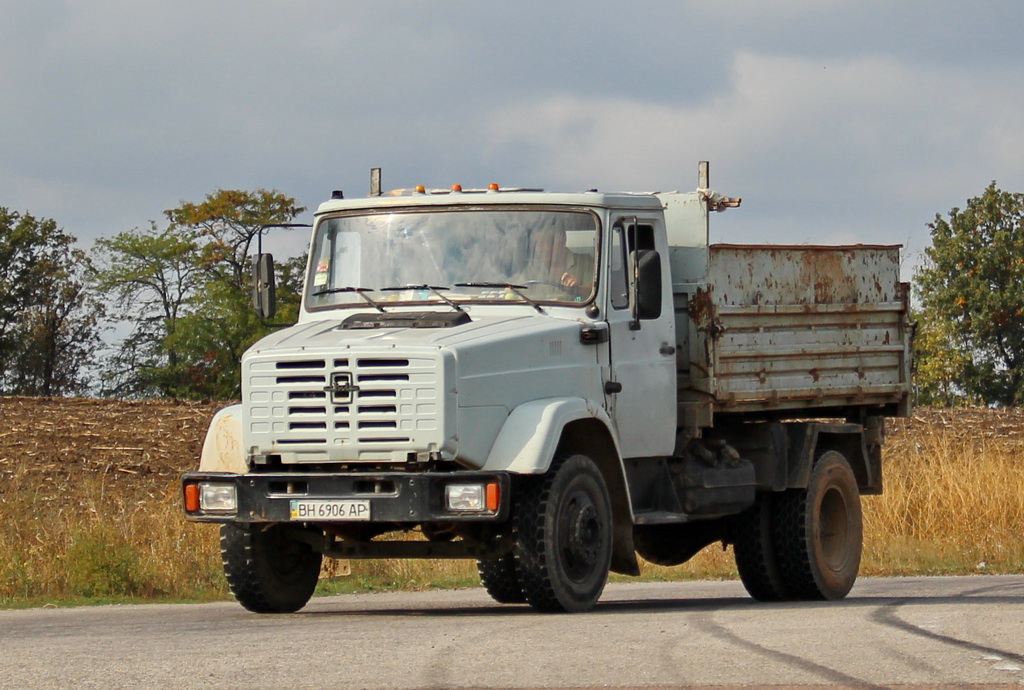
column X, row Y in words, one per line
column 809, row 329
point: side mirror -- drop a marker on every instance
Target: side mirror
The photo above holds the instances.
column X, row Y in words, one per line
column 646, row 286
column 264, row 290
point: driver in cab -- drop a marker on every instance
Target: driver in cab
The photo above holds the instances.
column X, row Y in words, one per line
column 550, row 262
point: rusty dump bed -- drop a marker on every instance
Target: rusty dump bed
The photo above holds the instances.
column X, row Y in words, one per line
column 794, row 330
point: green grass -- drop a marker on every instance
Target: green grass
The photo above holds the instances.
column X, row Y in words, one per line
column 363, row 583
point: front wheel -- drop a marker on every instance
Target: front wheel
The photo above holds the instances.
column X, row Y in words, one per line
column 564, row 545
column 267, row 570
column 819, row 532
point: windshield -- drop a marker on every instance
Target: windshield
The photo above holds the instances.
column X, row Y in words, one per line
column 427, row 255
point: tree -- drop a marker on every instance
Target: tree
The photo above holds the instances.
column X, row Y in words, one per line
column 153, row 276
column 231, row 220
column 970, row 336
column 187, row 289
column 49, row 320
column 941, row 362
column 223, row 324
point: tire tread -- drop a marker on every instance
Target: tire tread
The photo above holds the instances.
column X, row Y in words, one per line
column 755, row 552
column 531, row 552
column 501, row 579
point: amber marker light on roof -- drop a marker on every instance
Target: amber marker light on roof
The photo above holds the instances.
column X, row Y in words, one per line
column 420, row 189
column 493, row 186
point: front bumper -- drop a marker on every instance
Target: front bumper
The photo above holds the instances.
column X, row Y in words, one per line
column 393, row 497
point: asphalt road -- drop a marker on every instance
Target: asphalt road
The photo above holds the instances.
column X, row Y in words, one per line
column 909, row 631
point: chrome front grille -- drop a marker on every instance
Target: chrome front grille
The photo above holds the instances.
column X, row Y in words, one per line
column 355, row 408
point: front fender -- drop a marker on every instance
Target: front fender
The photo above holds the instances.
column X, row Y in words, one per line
column 529, row 438
column 223, row 450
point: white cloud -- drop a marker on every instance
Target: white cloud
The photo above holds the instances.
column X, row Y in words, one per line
column 833, row 118
column 831, row 143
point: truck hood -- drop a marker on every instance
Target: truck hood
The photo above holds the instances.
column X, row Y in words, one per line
column 500, row 360
column 328, row 334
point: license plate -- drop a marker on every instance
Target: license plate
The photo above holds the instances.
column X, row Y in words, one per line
column 308, row 509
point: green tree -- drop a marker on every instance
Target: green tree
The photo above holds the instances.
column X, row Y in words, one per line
column 230, row 220
column 941, row 362
column 153, row 276
column 223, row 324
column 971, row 288
column 49, row 320
column 187, row 289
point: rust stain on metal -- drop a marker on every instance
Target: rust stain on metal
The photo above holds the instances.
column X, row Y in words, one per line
column 785, row 311
column 826, row 272
column 702, row 309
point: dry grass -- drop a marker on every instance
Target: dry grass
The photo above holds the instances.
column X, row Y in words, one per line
column 89, row 505
column 954, row 496
column 98, row 543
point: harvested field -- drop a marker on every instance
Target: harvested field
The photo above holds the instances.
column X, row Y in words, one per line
column 89, row 502
column 139, row 448
column 975, row 424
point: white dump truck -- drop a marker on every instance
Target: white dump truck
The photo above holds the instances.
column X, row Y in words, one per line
column 553, row 384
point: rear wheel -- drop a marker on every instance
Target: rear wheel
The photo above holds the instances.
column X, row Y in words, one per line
column 754, row 550
column 267, row 570
column 501, row 580
column 564, row 545
column 819, row 532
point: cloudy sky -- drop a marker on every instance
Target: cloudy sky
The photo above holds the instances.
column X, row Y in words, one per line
column 835, row 120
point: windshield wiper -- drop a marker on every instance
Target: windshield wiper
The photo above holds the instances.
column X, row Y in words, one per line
column 436, row 289
column 511, row 287
column 361, row 291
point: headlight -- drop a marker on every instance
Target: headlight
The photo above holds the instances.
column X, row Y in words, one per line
column 472, row 498
column 217, row 498
column 468, row 498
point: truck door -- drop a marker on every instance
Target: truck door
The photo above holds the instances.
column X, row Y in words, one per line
column 640, row 385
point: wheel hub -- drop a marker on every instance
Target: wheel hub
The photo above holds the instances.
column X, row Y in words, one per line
column 585, row 535
column 834, row 529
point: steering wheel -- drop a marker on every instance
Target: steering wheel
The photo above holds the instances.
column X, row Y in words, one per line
column 545, row 283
